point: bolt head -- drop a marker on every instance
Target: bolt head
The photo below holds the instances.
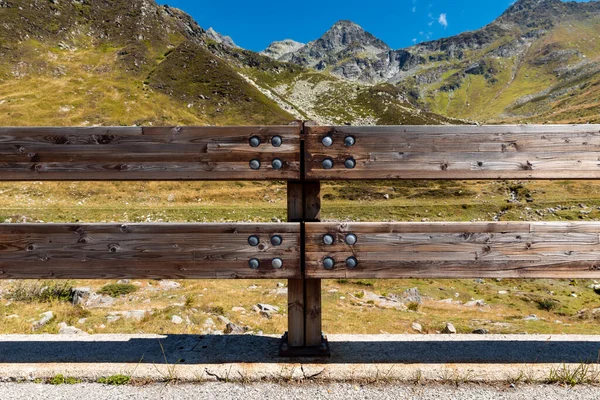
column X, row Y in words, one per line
column 253, row 240
column 328, row 163
column 327, row 141
column 276, row 240
column 277, row 263
column 351, row 239
column 276, row 141
column 255, row 164
column 351, row 262
column 277, row 164
column 328, row 239
column 254, row 263
column 349, row 141
column 350, row 163
column 254, row 141
column 328, row 263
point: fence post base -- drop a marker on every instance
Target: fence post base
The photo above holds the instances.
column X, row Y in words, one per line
column 321, row 350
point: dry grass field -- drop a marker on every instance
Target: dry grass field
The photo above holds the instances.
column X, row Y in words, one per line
column 357, row 306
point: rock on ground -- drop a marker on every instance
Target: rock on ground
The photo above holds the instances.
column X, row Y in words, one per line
column 46, row 317
column 449, row 328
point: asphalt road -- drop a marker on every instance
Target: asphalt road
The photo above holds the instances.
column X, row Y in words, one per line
column 266, row 391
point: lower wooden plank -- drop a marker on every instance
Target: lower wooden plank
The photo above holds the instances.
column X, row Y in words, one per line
column 153, row 251
column 455, row 250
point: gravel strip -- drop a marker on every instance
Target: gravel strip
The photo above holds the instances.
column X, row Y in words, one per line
column 221, row 391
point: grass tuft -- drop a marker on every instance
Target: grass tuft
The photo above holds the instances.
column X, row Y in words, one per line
column 582, row 374
column 115, row 380
column 117, row 289
column 60, row 379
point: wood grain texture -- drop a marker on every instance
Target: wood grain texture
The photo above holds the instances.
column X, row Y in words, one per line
column 457, row 250
column 152, row 251
column 147, row 153
column 456, row 152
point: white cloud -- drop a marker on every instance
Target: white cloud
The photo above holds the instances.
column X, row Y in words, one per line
column 414, row 40
column 414, row 9
column 443, row 20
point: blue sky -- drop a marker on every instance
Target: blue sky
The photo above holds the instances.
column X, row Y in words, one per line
column 400, row 23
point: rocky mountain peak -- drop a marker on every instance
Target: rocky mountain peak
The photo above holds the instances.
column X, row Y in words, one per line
column 278, row 49
column 219, row 38
column 346, row 33
column 345, row 39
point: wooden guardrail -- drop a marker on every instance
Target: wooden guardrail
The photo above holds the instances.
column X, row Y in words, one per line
column 150, row 153
column 150, row 251
column 304, row 250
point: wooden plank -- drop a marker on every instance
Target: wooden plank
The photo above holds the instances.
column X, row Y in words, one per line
column 456, row 250
column 153, row 251
column 147, row 153
column 456, row 152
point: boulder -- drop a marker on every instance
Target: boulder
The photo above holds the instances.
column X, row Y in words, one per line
column 65, row 329
column 449, row 328
column 79, row 295
column 45, row 318
column 417, row 327
column 234, row 329
column 168, row 285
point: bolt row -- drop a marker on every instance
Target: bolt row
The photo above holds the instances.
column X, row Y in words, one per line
column 254, row 240
column 276, row 141
column 329, row 263
column 276, row 263
column 349, row 141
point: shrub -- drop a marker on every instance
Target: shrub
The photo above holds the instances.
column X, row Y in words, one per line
column 547, row 304
column 117, row 289
column 43, row 292
column 413, row 306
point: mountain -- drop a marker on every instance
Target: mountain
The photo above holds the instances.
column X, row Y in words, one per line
column 277, row 50
column 538, row 62
column 344, row 39
column 133, row 62
column 106, row 62
column 217, row 37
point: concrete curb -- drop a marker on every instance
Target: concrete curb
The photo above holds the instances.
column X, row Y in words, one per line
column 360, row 358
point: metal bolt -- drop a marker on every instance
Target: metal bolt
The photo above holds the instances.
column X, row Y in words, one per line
column 254, row 141
column 351, row 262
column 276, row 240
column 277, row 164
column 277, row 263
column 254, row 263
column 276, row 141
column 253, row 240
column 351, row 239
column 349, row 141
column 328, row 263
column 327, row 141
column 350, row 163
column 255, row 164
column 328, row 239
column 328, row 163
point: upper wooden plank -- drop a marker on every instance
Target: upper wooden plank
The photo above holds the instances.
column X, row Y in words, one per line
column 147, row 153
column 151, row 251
column 456, row 152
